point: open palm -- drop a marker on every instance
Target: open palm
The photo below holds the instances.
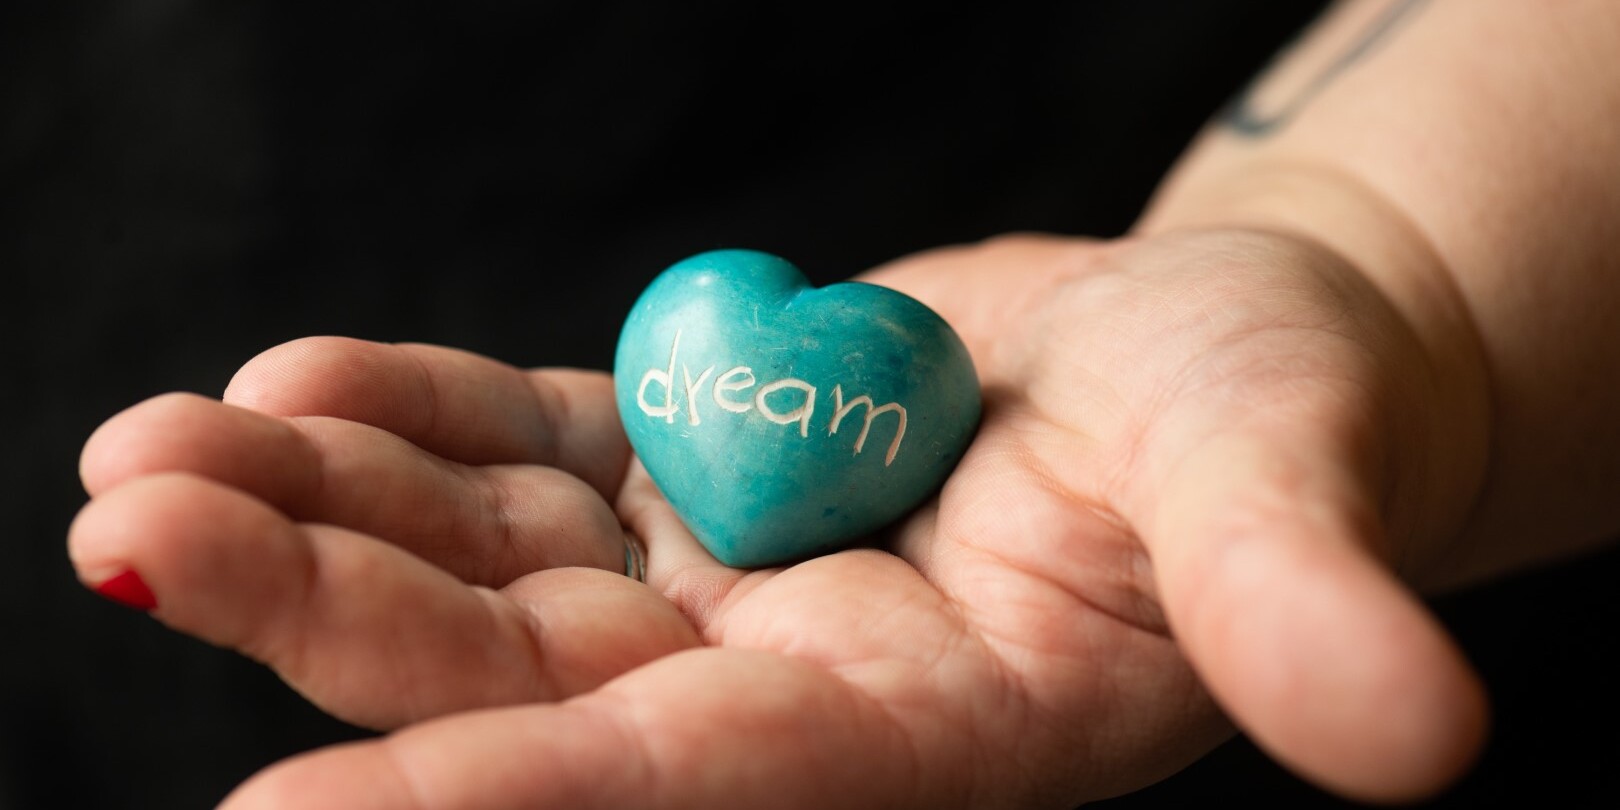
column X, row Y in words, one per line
column 1199, row 457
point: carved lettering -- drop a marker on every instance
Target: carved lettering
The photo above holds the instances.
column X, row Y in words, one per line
column 840, row 410
column 741, row 378
column 745, row 379
column 665, row 378
column 691, row 388
column 801, row 414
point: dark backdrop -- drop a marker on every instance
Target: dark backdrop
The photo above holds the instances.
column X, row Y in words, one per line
column 183, row 184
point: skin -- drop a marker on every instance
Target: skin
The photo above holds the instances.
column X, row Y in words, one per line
column 1218, row 459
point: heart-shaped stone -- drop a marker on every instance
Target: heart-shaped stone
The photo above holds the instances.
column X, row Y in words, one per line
column 781, row 420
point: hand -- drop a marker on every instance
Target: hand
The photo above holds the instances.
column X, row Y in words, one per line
column 1200, row 459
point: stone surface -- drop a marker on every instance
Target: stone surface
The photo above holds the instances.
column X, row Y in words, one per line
column 781, row 420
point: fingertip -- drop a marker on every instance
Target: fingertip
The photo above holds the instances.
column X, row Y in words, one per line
column 101, row 538
column 351, row 776
column 182, row 432
column 1421, row 713
column 1336, row 670
column 594, row 625
column 1439, row 752
column 105, row 572
column 128, row 589
column 164, row 528
column 316, row 376
column 114, row 452
column 1435, row 711
column 118, row 542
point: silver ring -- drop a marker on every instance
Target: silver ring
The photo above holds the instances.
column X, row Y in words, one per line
column 635, row 558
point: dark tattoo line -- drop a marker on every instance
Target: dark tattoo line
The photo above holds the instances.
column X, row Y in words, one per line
column 1239, row 115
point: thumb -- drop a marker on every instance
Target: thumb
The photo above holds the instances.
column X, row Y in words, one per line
column 1261, row 551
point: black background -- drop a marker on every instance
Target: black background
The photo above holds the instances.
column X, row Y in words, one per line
column 183, row 184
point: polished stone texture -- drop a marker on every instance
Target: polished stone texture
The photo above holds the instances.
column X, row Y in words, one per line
column 783, row 421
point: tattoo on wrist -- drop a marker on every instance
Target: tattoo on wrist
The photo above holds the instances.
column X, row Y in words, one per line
column 1241, row 117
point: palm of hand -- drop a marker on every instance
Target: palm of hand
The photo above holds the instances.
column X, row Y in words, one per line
column 1013, row 649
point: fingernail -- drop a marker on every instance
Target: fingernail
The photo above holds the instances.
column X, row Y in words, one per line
column 128, row 590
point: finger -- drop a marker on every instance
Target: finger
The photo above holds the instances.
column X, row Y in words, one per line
column 185, row 432
column 487, row 525
column 365, row 630
column 710, row 728
column 678, row 566
column 455, row 404
column 1260, row 547
column 978, row 305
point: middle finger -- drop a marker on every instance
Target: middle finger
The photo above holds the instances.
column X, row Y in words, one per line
column 486, row 525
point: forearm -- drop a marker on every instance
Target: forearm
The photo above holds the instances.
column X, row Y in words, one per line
column 1465, row 156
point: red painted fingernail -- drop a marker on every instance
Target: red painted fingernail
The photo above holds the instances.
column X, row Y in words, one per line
column 128, row 590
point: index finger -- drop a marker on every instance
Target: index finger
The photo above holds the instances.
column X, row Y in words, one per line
column 459, row 405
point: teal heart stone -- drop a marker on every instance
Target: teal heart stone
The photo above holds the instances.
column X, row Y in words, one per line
column 782, row 420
